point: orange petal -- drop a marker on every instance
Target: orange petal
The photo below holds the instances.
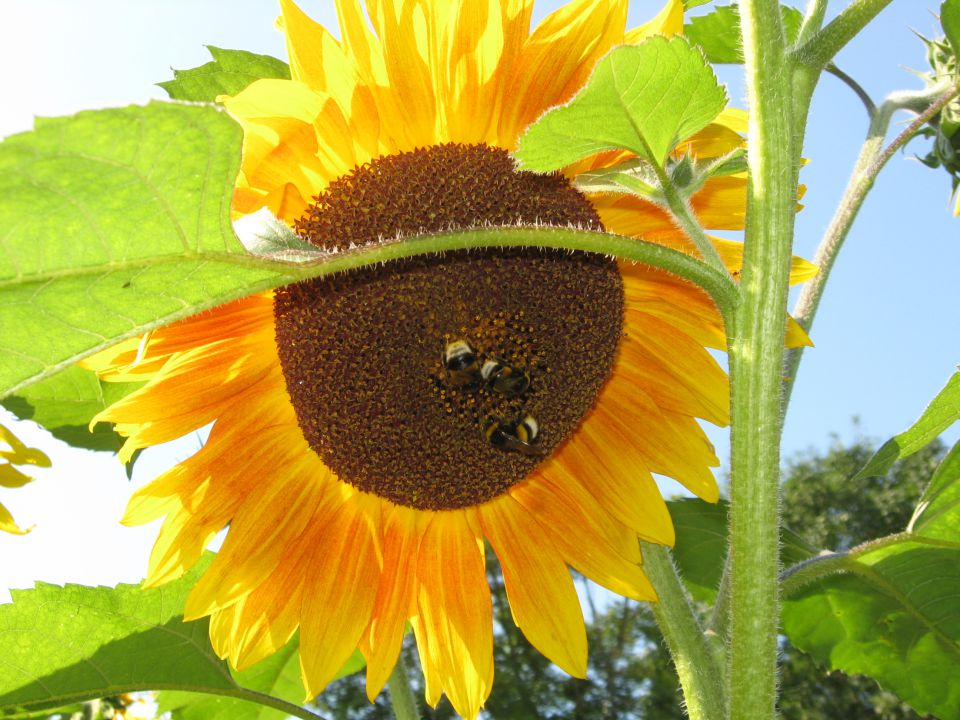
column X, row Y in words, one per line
column 340, row 585
column 591, row 541
column 396, row 596
column 275, row 511
column 542, row 597
column 455, row 611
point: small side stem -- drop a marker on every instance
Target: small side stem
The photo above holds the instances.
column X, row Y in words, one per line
column 720, row 615
column 871, row 160
column 825, row 44
column 697, row 667
column 401, row 696
column 812, row 20
column 856, row 87
column 683, row 215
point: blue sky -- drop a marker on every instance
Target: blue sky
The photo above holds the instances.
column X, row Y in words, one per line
column 886, row 338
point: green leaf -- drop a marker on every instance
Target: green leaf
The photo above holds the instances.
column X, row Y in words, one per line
column 116, row 221
column 950, row 19
column 64, row 404
column 718, row 33
column 942, row 412
column 66, row 644
column 690, row 4
column 277, row 676
column 229, row 73
column 702, row 545
column 644, row 98
column 938, row 513
column 892, row 614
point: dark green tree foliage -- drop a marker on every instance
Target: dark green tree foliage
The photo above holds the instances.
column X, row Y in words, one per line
column 631, row 676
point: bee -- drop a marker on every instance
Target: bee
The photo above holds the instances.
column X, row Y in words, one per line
column 519, row 436
column 504, row 379
column 461, row 363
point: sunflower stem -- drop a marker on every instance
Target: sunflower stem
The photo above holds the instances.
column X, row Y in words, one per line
column 683, row 215
column 823, row 46
column 756, row 356
column 700, row 674
column 401, row 695
column 873, row 157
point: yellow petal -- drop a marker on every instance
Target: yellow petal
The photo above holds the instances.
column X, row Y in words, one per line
column 543, row 600
column 340, row 586
column 455, row 611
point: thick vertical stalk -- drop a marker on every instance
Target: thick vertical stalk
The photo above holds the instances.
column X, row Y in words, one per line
column 756, row 353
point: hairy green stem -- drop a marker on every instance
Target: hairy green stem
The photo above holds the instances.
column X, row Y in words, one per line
column 812, row 20
column 825, row 44
column 857, row 88
column 717, row 284
column 873, row 156
column 401, row 696
column 756, row 355
column 683, row 215
column 720, row 614
column 697, row 667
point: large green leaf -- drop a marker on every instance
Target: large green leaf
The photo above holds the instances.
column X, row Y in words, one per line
column 277, row 676
column 892, row 612
column 718, row 33
column 64, row 644
column 644, row 98
column 115, row 221
column 65, row 403
column 940, row 414
column 228, row 73
column 701, row 545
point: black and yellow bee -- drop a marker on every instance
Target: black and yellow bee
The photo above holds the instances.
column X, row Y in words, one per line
column 504, row 379
column 517, row 436
column 462, row 364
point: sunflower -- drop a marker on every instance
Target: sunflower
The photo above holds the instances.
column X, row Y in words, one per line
column 10, row 477
column 373, row 430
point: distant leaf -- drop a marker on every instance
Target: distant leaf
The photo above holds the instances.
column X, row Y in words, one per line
column 701, row 545
column 64, row 644
column 64, row 404
column 644, row 98
column 950, row 19
column 277, row 676
column 939, row 415
column 229, row 73
column 938, row 512
column 894, row 615
column 115, row 221
column 718, row 32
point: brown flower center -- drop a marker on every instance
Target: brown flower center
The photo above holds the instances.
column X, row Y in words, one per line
column 440, row 381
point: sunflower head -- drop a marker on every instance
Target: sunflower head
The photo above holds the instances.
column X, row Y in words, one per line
column 373, row 431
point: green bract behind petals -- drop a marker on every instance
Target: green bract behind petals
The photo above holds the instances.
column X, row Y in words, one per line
column 644, row 98
column 228, row 73
column 950, row 19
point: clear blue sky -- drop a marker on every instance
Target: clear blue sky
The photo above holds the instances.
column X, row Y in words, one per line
column 887, row 337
